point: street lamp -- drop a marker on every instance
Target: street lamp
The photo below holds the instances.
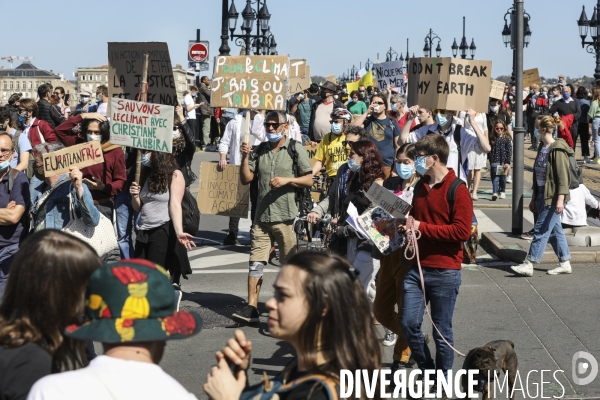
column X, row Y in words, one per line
column 369, row 64
column 593, row 46
column 464, row 47
column 262, row 42
column 427, row 50
column 389, row 56
column 509, row 35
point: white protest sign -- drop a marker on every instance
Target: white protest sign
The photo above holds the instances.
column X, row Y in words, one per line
column 141, row 125
column 397, row 207
column 389, row 73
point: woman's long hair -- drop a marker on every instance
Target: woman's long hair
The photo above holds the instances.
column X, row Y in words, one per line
column 339, row 322
column 371, row 167
column 45, row 294
column 162, row 166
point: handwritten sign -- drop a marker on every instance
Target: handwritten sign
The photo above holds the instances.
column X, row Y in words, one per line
column 531, row 76
column 79, row 155
column 222, row 192
column 141, row 125
column 258, row 82
column 449, row 83
column 397, row 207
column 331, row 78
column 389, row 73
column 125, row 68
column 299, row 76
column 497, row 90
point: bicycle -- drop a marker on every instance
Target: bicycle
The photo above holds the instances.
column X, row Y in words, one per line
column 306, row 239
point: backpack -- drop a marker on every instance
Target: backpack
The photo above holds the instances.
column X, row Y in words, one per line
column 190, row 213
column 470, row 246
column 575, row 172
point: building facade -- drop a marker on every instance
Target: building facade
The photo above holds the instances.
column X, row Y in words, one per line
column 26, row 78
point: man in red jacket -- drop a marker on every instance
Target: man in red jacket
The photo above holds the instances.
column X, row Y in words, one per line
column 443, row 229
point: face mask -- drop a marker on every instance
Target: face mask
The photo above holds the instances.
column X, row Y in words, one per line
column 336, row 128
column 301, row 97
column 274, row 137
column 91, row 138
column 145, row 160
column 354, row 167
column 566, row 96
column 544, row 94
column 510, row 97
column 441, row 119
column 4, row 165
column 176, row 134
column 536, row 133
column 405, row 171
column 84, row 99
column 494, row 109
column 532, row 91
column 394, row 107
column 194, row 95
column 344, row 91
column 362, row 93
column 377, row 108
column 355, row 100
column 98, row 98
column 420, row 163
column 21, row 120
column 335, row 97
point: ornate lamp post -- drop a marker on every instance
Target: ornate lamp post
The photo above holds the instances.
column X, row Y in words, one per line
column 428, row 49
column 463, row 46
column 263, row 42
column 509, row 36
column 389, row 56
column 592, row 46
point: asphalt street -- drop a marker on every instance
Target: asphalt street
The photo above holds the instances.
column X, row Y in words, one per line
column 549, row 318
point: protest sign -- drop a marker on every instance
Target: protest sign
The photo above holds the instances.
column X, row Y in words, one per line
column 258, row 82
column 381, row 230
column 299, row 76
column 331, row 78
column 397, row 207
column 366, row 81
column 312, row 152
column 125, row 64
column 222, row 192
column 531, row 76
column 497, row 90
column 141, row 125
column 389, row 73
column 80, row 156
column 449, row 83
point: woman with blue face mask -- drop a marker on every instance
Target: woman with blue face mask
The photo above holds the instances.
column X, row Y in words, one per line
column 394, row 266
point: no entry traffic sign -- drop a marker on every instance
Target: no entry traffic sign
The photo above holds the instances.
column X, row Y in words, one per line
column 198, row 51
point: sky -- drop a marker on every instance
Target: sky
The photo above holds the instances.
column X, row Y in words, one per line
column 332, row 35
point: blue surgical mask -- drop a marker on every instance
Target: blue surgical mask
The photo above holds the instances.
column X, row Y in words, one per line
column 405, row 171
column 394, row 107
column 420, row 165
column 98, row 99
column 145, row 160
column 4, row 165
column 566, row 96
column 336, row 128
column 21, row 119
column 354, row 167
column 536, row 133
column 441, row 119
column 274, row 137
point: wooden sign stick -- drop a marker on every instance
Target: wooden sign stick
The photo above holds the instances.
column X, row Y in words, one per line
column 247, row 130
column 144, row 98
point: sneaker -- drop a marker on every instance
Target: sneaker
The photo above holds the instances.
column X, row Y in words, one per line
column 396, row 365
column 563, row 268
column 494, row 196
column 390, row 338
column 248, row 314
column 178, row 294
column 587, row 160
column 527, row 235
column 596, row 160
column 502, row 195
column 525, row 269
column 532, row 147
column 509, row 179
column 230, row 239
column 474, row 196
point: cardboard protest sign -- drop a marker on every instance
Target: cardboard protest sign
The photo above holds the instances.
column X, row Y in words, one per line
column 331, row 78
column 222, row 192
column 389, row 73
column 299, row 76
column 79, row 155
column 397, row 207
column 531, row 76
column 497, row 90
column 125, row 69
column 141, row 125
column 449, row 83
column 258, row 82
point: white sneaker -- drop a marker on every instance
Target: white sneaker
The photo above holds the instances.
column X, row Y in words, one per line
column 494, row 196
column 509, row 179
column 502, row 195
column 524, row 269
column 474, row 196
column 587, row 160
column 563, row 268
column 390, row 338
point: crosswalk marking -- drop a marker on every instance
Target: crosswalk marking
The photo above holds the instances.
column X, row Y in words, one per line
column 485, row 223
column 221, row 260
column 230, row 271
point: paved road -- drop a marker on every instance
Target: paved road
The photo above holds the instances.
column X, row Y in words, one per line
column 548, row 318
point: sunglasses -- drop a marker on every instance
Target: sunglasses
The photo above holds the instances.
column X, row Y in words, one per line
column 378, row 102
column 440, row 111
column 273, row 124
column 347, row 143
column 499, row 128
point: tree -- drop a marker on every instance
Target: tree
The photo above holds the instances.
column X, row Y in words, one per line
column 317, row 79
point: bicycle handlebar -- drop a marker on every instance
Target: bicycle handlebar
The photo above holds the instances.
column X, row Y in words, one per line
column 325, row 220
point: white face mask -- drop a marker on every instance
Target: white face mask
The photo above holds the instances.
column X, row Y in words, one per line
column 91, row 138
column 176, row 134
column 377, row 108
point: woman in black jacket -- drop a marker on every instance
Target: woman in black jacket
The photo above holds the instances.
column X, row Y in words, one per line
column 183, row 146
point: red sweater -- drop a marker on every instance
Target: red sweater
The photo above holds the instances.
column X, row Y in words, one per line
column 41, row 127
column 442, row 234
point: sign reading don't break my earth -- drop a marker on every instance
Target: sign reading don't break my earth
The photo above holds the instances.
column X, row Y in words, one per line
column 258, row 82
column 141, row 125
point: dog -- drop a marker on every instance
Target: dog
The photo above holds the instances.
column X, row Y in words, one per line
column 494, row 356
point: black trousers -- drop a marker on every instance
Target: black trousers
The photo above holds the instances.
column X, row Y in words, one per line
column 153, row 244
column 583, row 129
column 234, row 225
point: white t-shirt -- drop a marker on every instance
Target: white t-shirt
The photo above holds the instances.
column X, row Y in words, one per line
column 110, row 378
column 102, row 108
column 575, row 213
column 189, row 100
column 468, row 142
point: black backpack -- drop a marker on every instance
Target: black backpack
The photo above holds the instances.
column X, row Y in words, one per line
column 575, row 172
column 190, row 213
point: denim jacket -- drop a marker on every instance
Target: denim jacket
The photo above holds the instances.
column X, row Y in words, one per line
column 57, row 206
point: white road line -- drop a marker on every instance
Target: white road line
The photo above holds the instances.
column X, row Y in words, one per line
column 220, row 260
column 485, row 223
column 528, row 215
column 205, row 249
column 230, row 271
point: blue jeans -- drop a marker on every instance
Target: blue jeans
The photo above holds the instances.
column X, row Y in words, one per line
column 547, row 229
column 6, row 257
column 441, row 289
column 125, row 216
column 596, row 136
column 498, row 181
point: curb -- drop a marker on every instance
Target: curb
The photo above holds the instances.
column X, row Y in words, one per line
column 486, row 206
column 518, row 254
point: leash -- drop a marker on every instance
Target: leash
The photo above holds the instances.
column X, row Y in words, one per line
column 412, row 236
